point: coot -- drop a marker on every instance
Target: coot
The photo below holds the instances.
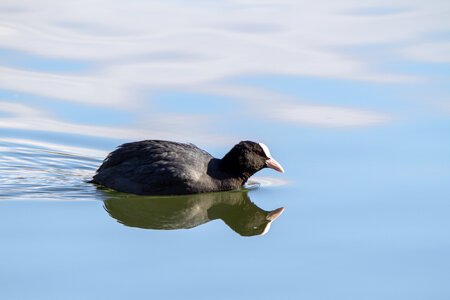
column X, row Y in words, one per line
column 156, row 167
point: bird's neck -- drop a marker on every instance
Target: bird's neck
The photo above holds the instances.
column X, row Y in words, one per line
column 230, row 166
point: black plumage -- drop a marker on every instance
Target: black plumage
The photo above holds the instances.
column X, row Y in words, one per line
column 155, row 167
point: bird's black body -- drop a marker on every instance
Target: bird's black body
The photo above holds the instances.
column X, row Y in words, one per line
column 155, row 167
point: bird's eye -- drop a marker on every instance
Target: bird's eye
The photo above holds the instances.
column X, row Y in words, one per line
column 257, row 153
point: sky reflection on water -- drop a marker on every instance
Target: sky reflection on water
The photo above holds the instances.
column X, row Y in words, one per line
column 352, row 98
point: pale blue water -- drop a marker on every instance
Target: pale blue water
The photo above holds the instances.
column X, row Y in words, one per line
column 360, row 126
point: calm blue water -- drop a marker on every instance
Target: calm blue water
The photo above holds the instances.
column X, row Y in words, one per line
column 350, row 99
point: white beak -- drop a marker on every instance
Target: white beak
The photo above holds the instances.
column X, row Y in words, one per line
column 273, row 164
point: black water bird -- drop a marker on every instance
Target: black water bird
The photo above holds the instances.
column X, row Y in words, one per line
column 155, row 167
column 234, row 208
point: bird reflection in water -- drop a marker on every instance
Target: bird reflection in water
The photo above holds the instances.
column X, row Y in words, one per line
column 189, row 211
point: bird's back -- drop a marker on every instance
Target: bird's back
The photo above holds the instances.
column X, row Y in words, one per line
column 154, row 167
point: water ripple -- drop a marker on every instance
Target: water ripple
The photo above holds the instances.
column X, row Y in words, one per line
column 47, row 172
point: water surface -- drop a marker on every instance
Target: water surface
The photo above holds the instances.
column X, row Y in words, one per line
column 352, row 100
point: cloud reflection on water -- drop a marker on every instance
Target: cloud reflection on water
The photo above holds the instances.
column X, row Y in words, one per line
column 134, row 51
column 159, row 126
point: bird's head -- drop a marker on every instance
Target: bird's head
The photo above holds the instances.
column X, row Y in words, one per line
column 248, row 157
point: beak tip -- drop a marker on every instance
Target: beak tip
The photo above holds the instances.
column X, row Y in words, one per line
column 273, row 164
